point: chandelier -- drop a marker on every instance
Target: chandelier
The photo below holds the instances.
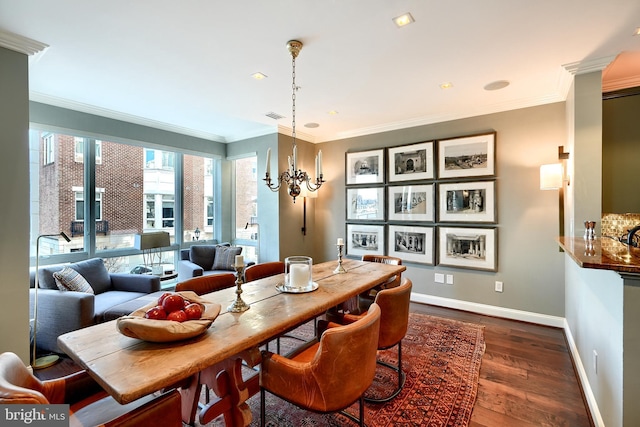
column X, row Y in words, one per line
column 293, row 177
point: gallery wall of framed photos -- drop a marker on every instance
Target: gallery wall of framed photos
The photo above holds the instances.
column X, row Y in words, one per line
column 431, row 203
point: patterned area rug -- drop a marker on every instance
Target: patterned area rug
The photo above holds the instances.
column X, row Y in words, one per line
column 441, row 359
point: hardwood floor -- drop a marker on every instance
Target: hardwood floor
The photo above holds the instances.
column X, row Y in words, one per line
column 527, row 378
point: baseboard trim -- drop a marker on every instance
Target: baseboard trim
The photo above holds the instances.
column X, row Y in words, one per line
column 490, row 310
column 582, row 374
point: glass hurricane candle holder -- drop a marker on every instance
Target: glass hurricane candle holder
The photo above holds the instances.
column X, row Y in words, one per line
column 297, row 273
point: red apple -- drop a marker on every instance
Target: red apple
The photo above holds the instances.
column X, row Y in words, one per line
column 193, row 311
column 178, row 316
column 163, row 296
column 156, row 313
column 172, row 303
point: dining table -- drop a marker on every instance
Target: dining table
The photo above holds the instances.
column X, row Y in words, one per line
column 129, row 368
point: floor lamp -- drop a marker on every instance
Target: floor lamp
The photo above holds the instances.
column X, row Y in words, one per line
column 45, row 361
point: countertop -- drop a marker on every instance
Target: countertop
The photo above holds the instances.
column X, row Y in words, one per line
column 603, row 254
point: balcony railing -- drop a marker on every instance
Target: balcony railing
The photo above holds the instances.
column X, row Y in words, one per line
column 77, row 228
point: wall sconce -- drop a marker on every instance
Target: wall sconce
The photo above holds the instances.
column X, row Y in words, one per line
column 304, row 193
column 552, row 177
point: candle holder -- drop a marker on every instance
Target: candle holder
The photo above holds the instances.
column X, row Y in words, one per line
column 340, row 269
column 238, row 305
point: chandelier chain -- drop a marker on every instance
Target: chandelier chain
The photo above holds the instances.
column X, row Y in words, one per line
column 293, row 98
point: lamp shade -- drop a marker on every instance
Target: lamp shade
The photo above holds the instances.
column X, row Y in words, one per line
column 152, row 240
column 551, row 176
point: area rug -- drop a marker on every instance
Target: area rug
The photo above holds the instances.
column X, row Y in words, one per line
column 441, row 359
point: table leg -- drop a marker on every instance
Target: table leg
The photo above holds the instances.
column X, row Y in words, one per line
column 231, row 390
column 190, row 395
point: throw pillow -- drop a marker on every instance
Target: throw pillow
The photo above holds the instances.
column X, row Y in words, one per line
column 226, row 257
column 202, row 255
column 68, row 279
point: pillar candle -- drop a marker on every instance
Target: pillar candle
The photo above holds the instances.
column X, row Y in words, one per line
column 340, row 241
column 239, row 260
column 299, row 275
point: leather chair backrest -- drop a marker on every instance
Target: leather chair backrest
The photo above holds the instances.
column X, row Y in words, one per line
column 265, row 269
column 345, row 363
column 205, row 284
column 385, row 259
column 394, row 320
column 17, row 384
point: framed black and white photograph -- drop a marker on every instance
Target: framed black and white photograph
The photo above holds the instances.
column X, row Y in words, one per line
column 411, row 203
column 411, row 243
column 365, row 203
column 467, row 157
column 365, row 239
column 365, row 167
column 472, row 201
column 411, row 162
column 463, row 247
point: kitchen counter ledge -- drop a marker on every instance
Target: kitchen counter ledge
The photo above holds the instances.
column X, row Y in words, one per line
column 602, row 254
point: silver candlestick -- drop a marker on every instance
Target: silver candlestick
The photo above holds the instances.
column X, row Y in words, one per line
column 340, row 269
column 238, row 305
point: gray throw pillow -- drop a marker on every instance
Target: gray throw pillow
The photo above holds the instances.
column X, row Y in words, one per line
column 95, row 272
column 203, row 255
column 226, row 257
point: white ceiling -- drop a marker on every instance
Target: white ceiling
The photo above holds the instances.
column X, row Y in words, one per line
column 186, row 65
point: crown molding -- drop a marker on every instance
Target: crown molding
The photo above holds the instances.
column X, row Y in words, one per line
column 285, row 130
column 21, row 44
column 618, row 84
column 583, row 67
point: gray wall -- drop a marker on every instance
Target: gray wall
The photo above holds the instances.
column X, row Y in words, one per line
column 14, row 193
column 529, row 263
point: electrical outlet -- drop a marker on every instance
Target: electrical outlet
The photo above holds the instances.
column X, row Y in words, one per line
column 449, row 279
column 439, row 278
column 595, row 361
column 498, row 286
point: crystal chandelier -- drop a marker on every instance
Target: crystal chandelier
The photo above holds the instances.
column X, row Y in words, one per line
column 293, row 177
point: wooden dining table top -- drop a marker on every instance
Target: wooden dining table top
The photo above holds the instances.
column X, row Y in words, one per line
column 129, row 368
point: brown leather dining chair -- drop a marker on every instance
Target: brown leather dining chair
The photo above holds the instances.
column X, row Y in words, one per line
column 366, row 298
column 329, row 375
column 265, row 269
column 205, row 284
column 89, row 404
column 394, row 321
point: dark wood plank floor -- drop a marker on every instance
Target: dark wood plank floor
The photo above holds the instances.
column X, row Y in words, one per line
column 527, row 378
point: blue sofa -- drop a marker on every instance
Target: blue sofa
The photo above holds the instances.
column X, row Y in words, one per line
column 203, row 260
column 60, row 312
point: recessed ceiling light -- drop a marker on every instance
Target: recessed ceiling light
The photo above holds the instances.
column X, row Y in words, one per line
column 258, row 76
column 498, row 84
column 403, row 20
column 311, row 125
column 332, row 113
column 446, row 85
column 637, row 32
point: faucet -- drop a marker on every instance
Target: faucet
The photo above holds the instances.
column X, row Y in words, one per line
column 631, row 235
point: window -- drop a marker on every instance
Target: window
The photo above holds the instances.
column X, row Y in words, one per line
column 199, row 202
column 159, row 159
column 48, row 149
column 79, row 204
column 167, row 211
column 246, row 206
column 150, row 211
column 78, row 154
column 209, row 204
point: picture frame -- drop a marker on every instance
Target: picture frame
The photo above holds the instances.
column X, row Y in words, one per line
column 464, row 247
column 364, row 167
column 471, row 201
column 411, row 202
column 411, row 162
column 469, row 156
column 365, row 203
column 411, row 243
column 364, row 239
